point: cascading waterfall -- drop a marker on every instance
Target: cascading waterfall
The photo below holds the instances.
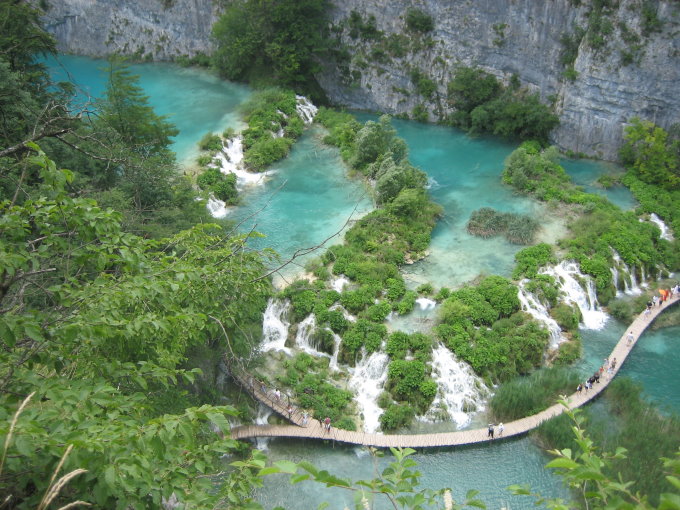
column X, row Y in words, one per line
column 303, row 339
column 337, row 340
column 538, row 311
column 665, row 231
column 217, row 208
column 230, row 161
column 368, row 379
column 643, row 277
column 263, row 414
column 348, row 316
column 634, row 290
column 339, row 283
column 460, row 392
column 615, row 278
column 305, row 109
column 275, row 326
column 566, row 273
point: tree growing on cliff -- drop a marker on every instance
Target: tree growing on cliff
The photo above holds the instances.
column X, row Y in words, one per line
column 272, row 40
column 651, row 154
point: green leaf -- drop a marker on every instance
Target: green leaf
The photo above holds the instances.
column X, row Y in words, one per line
column 562, row 462
column 669, row 501
column 268, row 471
column 299, row 478
column 7, row 334
column 286, row 466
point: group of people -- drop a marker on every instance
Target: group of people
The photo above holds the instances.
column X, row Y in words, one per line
column 664, row 295
column 607, row 366
column 491, row 432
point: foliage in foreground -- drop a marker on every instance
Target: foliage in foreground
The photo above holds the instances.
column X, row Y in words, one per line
column 625, row 418
column 98, row 324
column 585, row 468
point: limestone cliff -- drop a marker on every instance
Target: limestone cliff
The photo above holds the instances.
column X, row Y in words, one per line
column 148, row 29
column 599, row 65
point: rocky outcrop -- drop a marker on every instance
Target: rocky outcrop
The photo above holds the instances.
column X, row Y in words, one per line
column 147, row 29
column 634, row 71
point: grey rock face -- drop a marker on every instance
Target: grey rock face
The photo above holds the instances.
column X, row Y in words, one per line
column 524, row 37
column 503, row 37
column 145, row 28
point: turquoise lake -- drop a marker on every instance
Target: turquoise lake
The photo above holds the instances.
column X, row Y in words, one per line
column 308, row 198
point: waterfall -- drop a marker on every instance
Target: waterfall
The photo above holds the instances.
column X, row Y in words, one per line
column 566, row 273
column 263, row 414
column 303, row 339
column 216, row 207
column 665, row 231
column 615, row 278
column 426, row 304
column 634, row 289
column 305, row 109
column 368, row 379
column 643, row 277
column 275, row 326
column 339, row 283
column 337, row 340
column 460, row 392
column 230, row 161
column 538, row 311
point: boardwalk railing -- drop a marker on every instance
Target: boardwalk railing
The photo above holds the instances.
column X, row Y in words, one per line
column 313, row 429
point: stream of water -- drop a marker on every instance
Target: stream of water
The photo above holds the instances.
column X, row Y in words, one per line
column 307, row 198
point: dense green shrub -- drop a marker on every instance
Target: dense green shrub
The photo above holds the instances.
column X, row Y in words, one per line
column 512, row 346
column 501, row 294
column 483, row 104
column 266, row 112
column 362, row 333
column 221, row 185
column 529, row 260
column 566, row 316
column 569, row 351
column 396, row 416
column 419, row 21
column 210, row 142
column 407, row 303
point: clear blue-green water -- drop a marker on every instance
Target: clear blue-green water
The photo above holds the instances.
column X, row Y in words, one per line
column 308, row 198
column 465, row 175
column 306, row 201
column 195, row 100
column 489, row 469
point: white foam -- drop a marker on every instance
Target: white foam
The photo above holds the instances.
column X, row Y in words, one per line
column 305, row 109
column 566, row 274
column 368, row 379
column 275, row 326
column 339, row 283
column 665, row 230
column 217, row 208
column 458, row 387
column 538, row 311
column 426, row 304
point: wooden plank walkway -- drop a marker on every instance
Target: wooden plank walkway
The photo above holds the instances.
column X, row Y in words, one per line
column 314, row 430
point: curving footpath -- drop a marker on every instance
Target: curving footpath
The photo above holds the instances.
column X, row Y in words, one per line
column 314, row 430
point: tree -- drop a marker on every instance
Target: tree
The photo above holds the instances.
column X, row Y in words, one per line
column 257, row 38
column 99, row 325
column 651, row 154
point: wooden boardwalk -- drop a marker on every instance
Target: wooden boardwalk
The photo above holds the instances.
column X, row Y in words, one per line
column 314, row 430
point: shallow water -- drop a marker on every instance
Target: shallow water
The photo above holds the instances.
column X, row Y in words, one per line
column 465, row 174
column 490, row 469
column 194, row 99
column 307, row 200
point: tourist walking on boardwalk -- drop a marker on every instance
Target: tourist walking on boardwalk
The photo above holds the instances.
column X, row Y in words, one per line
column 305, row 417
column 630, row 337
column 613, row 363
column 655, row 300
column 327, row 424
column 490, row 433
column 579, row 388
column 290, row 411
column 277, row 394
column 501, row 428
